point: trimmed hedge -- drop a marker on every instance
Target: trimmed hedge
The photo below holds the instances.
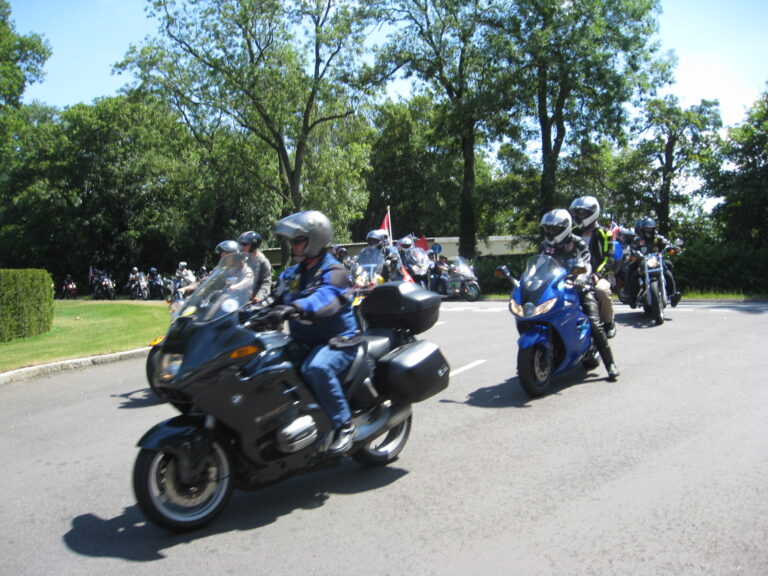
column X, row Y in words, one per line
column 722, row 268
column 26, row 303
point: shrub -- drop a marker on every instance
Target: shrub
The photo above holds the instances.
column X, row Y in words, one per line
column 26, row 303
column 721, row 267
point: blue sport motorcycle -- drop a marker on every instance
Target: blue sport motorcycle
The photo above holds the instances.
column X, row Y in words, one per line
column 555, row 334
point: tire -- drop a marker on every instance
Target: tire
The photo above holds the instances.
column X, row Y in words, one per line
column 385, row 449
column 657, row 310
column 145, row 294
column 471, row 291
column 168, row 503
column 534, row 368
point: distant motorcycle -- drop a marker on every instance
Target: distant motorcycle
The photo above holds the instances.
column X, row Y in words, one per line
column 459, row 282
column 155, row 286
column 69, row 290
column 138, row 288
column 652, row 293
column 104, row 287
column 417, row 263
column 367, row 272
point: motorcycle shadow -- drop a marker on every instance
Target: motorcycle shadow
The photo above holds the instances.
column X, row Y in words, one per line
column 510, row 394
column 637, row 319
column 141, row 398
column 130, row 537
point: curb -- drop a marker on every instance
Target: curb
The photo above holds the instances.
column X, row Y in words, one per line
column 74, row 364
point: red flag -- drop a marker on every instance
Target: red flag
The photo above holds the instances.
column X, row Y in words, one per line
column 385, row 223
column 614, row 229
column 422, row 243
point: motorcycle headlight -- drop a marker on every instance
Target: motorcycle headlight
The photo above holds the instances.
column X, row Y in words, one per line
column 170, row 364
column 528, row 310
column 653, row 262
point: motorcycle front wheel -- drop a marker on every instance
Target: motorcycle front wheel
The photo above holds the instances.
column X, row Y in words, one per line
column 657, row 310
column 170, row 503
column 471, row 291
column 385, row 449
column 534, row 368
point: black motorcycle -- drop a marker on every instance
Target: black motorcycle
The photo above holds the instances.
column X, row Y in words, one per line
column 248, row 420
column 652, row 264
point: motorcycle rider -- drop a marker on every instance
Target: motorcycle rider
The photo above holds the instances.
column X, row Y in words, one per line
column 585, row 212
column 133, row 278
column 315, row 295
column 155, row 282
column 562, row 244
column 647, row 239
column 224, row 250
column 440, row 275
column 342, row 255
column 250, row 243
column 393, row 266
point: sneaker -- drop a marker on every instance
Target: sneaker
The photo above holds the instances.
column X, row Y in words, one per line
column 676, row 298
column 610, row 329
column 344, row 438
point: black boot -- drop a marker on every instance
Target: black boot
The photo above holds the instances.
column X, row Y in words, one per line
column 613, row 371
column 675, row 298
column 610, row 329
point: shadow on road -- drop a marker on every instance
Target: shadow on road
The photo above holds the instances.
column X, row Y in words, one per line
column 141, row 398
column 131, row 537
column 510, row 394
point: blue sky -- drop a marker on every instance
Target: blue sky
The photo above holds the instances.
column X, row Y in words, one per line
column 722, row 48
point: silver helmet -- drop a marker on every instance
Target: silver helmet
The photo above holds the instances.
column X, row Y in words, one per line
column 310, row 224
column 556, row 225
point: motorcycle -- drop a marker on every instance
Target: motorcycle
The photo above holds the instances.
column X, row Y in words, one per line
column 652, row 287
column 103, row 287
column 248, row 419
column 555, row 334
column 156, row 287
column 417, row 263
column 138, row 289
column 69, row 290
column 460, row 281
column 367, row 272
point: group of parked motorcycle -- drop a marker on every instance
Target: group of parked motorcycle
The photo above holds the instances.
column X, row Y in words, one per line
column 555, row 334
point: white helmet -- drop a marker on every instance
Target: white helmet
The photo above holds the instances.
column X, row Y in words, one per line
column 585, row 211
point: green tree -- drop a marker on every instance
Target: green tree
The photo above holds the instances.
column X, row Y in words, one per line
column 742, row 182
column 679, row 143
column 577, row 64
column 413, row 170
column 446, row 44
column 279, row 71
column 21, row 59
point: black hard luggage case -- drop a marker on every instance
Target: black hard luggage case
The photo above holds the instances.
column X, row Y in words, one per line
column 413, row 372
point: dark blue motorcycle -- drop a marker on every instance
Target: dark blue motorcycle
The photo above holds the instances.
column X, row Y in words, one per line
column 555, row 334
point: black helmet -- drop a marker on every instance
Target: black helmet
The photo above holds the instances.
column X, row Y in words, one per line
column 310, row 224
column 203, row 269
column 647, row 228
column 342, row 252
column 227, row 246
column 556, row 225
column 250, row 238
column 585, row 211
column 377, row 238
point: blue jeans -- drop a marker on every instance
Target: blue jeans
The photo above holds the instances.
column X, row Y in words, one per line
column 320, row 371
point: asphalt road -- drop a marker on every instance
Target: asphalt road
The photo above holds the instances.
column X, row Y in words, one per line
column 662, row 472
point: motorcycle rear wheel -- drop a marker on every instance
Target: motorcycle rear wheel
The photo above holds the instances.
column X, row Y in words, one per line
column 385, row 449
column 534, row 368
column 169, row 503
column 657, row 310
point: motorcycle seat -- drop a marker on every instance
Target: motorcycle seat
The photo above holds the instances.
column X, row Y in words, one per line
column 379, row 341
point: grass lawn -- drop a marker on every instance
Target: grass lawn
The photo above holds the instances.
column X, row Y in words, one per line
column 83, row 328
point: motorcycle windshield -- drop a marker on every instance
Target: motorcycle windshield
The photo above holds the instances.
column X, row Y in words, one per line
column 540, row 272
column 462, row 267
column 229, row 287
column 418, row 260
column 369, row 264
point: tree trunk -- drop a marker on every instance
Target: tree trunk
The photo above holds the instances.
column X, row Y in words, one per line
column 467, row 225
column 665, row 194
